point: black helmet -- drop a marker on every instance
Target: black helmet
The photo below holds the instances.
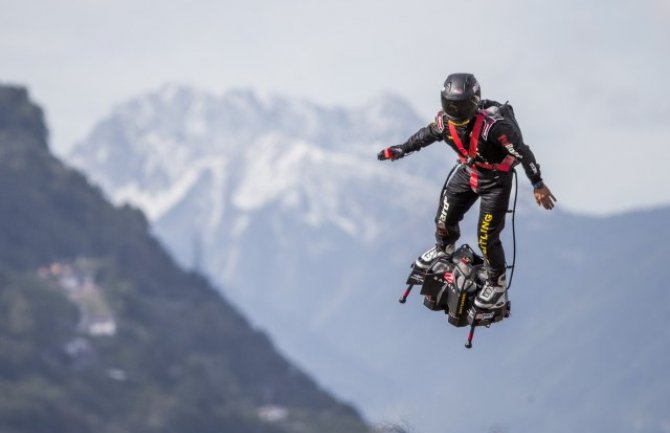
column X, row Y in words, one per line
column 460, row 96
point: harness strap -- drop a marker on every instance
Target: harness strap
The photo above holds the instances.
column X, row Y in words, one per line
column 469, row 156
column 504, row 166
column 457, row 138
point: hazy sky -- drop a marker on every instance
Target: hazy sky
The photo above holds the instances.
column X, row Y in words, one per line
column 587, row 80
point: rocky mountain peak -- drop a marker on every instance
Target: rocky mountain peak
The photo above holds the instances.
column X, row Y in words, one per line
column 19, row 116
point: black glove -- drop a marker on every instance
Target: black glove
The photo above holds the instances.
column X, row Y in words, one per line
column 392, row 153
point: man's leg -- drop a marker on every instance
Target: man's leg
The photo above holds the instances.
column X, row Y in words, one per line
column 493, row 210
column 456, row 198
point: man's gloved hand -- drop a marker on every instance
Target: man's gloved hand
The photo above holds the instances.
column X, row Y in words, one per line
column 544, row 197
column 392, row 153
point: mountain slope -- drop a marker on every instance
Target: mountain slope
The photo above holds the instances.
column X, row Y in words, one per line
column 110, row 335
column 312, row 238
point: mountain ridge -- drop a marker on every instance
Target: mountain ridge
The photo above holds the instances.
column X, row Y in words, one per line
column 173, row 356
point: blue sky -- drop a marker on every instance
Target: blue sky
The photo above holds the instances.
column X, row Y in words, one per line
column 587, row 78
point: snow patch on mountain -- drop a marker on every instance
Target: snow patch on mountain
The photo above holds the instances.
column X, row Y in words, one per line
column 156, row 203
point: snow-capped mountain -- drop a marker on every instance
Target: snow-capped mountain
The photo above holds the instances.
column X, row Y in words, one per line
column 284, row 205
column 278, row 201
column 221, row 163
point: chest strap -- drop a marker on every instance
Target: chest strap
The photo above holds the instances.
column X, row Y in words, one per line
column 471, row 153
column 469, row 157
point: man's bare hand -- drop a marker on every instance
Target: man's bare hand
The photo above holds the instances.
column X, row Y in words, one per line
column 544, row 197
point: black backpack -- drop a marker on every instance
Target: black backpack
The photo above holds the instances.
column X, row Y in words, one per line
column 506, row 111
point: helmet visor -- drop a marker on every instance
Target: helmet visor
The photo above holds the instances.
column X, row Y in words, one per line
column 459, row 110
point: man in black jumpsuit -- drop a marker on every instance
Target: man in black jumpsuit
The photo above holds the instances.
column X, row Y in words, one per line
column 489, row 144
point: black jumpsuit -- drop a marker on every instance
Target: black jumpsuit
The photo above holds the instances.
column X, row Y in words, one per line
column 486, row 173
